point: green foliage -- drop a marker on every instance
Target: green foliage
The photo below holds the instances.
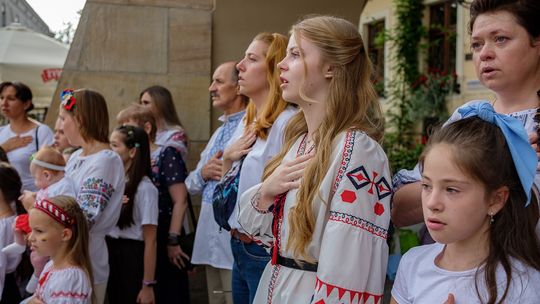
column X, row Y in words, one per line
column 406, row 37
column 401, row 156
column 429, row 93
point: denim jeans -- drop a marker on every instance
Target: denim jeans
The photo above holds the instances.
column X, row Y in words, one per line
column 249, row 263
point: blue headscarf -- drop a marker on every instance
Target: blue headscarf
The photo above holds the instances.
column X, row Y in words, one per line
column 524, row 156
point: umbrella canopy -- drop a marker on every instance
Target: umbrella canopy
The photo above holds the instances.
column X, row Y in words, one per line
column 32, row 58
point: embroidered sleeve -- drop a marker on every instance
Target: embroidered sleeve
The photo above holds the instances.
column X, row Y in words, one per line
column 94, row 196
column 354, row 253
column 255, row 221
column 173, row 168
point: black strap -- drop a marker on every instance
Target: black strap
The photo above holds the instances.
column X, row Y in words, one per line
column 290, row 263
column 37, row 140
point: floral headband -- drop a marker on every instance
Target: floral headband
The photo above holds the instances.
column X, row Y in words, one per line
column 57, row 213
column 68, row 101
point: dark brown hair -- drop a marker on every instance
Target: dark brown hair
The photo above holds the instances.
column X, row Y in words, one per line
column 22, row 92
column 134, row 137
column 11, row 184
column 164, row 104
column 512, row 234
column 91, row 113
column 526, row 12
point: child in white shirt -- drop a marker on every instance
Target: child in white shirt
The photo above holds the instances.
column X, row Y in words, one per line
column 481, row 213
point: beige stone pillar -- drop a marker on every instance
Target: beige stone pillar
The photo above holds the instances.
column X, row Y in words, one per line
column 124, row 46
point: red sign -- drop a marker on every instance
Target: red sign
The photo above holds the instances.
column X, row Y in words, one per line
column 51, row 74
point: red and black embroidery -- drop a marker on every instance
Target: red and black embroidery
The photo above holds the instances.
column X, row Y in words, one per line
column 358, row 223
column 355, row 296
column 345, row 158
column 360, row 178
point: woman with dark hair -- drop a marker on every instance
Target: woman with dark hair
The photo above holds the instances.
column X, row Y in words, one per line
column 505, row 43
column 170, row 131
column 23, row 136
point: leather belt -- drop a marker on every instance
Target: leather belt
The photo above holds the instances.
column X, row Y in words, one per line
column 244, row 238
column 291, row 263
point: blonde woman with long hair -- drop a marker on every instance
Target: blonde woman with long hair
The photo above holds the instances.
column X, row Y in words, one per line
column 259, row 138
column 323, row 207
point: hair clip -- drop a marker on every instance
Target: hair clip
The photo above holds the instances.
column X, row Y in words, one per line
column 137, row 145
column 67, row 99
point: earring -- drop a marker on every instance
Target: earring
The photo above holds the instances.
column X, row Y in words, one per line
column 491, row 217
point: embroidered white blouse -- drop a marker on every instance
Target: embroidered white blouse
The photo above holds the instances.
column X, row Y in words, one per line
column 63, row 286
column 349, row 239
column 99, row 178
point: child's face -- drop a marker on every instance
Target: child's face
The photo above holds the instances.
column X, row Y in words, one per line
column 42, row 177
column 47, row 235
column 118, row 146
column 455, row 205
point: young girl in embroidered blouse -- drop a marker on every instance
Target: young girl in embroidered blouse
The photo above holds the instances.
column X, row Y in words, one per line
column 98, row 173
column 323, row 206
column 132, row 243
column 10, row 190
column 59, row 230
column 47, row 168
column 482, row 216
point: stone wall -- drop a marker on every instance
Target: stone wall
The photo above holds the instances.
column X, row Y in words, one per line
column 123, row 46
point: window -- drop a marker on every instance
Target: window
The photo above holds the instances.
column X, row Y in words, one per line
column 376, row 53
column 442, row 37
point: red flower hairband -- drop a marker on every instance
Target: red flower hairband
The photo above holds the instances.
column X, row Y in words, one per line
column 57, row 213
column 67, row 99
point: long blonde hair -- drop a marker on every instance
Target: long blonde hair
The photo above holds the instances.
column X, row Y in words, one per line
column 77, row 248
column 351, row 104
column 274, row 104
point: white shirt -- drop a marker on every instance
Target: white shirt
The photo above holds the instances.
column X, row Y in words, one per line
column 261, row 152
column 64, row 286
column 145, row 212
column 212, row 244
column 100, row 180
column 420, row 280
column 20, row 158
column 8, row 260
column 65, row 186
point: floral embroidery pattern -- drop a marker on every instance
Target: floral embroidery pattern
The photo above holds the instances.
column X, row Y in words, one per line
column 94, row 196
